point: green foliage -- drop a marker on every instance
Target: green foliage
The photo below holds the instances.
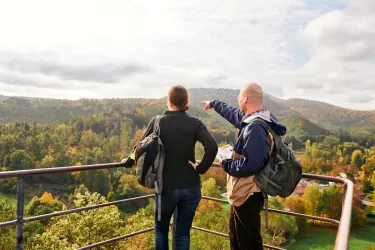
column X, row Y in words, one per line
column 330, row 142
column 43, row 205
column 308, row 144
column 311, row 199
column 101, row 131
column 81, row 229
column 111, row 196
column 216, row 220
column 20, row 160
column 357, row 158
column 7, row 213
column 210, row 215
column 373, row 180
column 370, row 163
column 128, row 187
column 209, row 188
column 143, row 219
column 322, row 239
column 300, row 130
column 8, row 185
column 296, row 204
column 97, row 181
column 281, row 229
column 331, row 203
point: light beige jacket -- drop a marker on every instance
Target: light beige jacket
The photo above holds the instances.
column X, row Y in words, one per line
column 240, row 189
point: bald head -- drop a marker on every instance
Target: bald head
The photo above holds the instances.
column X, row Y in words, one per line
column 250, row 98
column 253, row 91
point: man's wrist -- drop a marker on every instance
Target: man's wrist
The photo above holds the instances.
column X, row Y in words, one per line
column 212, row 103
column 225, row 163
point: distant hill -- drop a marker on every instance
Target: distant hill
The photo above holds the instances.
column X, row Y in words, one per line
column 316, row 117
column 2, row 97
column 331, row 116
column 294, row 123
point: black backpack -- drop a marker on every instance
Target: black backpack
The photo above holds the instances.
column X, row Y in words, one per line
column 149, row 159
column 282, row 171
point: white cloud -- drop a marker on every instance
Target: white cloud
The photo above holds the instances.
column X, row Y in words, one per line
column 72, row 49
column 342, row 57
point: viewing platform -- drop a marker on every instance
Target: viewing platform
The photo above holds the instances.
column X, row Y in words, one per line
column 342, row 237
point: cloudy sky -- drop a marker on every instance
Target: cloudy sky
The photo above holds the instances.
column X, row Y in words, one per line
column 319, row 49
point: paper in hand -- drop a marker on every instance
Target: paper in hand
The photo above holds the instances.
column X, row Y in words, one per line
column 224, row 152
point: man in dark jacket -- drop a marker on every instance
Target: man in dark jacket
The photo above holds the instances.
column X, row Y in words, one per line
column 254, row 149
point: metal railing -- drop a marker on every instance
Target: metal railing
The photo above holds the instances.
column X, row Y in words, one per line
column 341, row 242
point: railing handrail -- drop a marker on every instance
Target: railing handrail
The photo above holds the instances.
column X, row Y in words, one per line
column 69, row 169
column 342, row 237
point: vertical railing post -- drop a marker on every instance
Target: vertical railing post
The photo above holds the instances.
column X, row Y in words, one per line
column 174, row 229
column 343, row 196
column 20, row 206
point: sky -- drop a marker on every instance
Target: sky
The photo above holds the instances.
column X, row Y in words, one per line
column 317, row 50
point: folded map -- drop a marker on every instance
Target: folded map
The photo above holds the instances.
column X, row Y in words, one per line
column 224, row 152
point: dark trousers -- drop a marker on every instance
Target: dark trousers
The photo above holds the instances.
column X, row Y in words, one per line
column 186, row 201
column 244, row 224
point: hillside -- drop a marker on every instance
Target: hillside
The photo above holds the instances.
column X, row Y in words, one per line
column 294, row 123
column 333, row 116
column 17, row 109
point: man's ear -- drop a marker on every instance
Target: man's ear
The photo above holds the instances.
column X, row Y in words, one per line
column 246, row 99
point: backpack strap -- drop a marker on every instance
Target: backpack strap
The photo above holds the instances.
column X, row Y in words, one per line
column 156, row 127
column 156, row 131
column 265, row 196
column 270, row 137
column 271, row 132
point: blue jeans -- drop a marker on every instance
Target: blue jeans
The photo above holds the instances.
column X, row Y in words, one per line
column 186, row 201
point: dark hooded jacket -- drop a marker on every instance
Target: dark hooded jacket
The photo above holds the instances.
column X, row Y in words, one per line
column 255, row 146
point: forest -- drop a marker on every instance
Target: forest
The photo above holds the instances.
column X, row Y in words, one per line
column 56, row 133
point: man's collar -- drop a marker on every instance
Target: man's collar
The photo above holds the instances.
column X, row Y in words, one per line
column 248, row 115
column 263, row 114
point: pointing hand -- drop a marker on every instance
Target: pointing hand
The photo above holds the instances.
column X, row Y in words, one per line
column 207, row 105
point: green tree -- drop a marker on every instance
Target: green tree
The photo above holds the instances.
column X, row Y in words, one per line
column 330, row 142
column 373, row 180
column 20, row 160
column 370, row 163
column 311, row 199
column 209, row 188
column 308, row 144
column 295, row 204
column 7, row 213
column 281, row 229
column 43, row 205
column 142, row 219
column 97, row 180
column 357, row 158
column 111, row 196
column 331, row 203
column 129, row 187
column 216, row 220
column 81, row 229
column 125, row 140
